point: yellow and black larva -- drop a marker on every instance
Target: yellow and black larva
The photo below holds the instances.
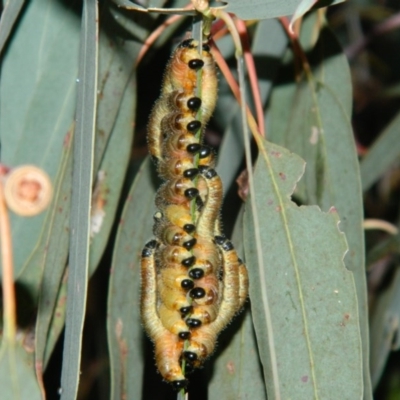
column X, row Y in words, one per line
column 193, row 282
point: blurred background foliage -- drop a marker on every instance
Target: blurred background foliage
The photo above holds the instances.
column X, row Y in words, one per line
column 38, row 90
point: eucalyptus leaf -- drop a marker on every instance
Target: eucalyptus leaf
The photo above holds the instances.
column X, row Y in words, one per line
column 37, row 87
column 307, row 5
column 116, row 103
column 384, row 152
column 319, row 130
column 303, row 297
column 385, row 326
column 81, row 201
column 51, row 254
column 17, row 377
column 125, row 333
column 264, row 9
column 9, row 15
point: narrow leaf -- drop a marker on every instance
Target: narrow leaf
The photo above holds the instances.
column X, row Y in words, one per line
column 125, row 333
column 9, row 15
column 383, row 153
column 264, row 9
column 302, row 287
column 385, row 328
column 81, row 201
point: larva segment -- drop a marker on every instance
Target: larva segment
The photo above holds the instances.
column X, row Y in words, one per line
column 167, row 346
column 212, row 206
column 181, row 77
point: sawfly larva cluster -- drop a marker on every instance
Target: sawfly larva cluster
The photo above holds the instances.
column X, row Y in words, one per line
column 193, row 281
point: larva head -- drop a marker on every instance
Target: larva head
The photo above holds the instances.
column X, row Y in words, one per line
column 186, row 102
column 179, row 75
column 205, row 314
column 174, row 254
column 180, row 384
column 172, row 168
column 172, row 297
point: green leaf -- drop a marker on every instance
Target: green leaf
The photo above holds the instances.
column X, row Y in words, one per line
column 124, row 329
column 116, row 108
column 81, row 201
column 237, row 372
column 303, row 298
column 319, row 131
column 9, row 15
column 55, row 325
column 383, row 153
column 307, row 5
column 385, row 325
column 51, row 254
column 17, row 377
column 114, row 134
column 38, row 103
column 111, row 175
column 263, row 9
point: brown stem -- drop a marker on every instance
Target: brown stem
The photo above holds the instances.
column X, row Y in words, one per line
column 8, row 279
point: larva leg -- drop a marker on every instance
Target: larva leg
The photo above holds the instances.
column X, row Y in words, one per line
column 168, row 348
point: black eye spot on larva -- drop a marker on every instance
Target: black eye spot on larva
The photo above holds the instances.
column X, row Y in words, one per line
column 191, row 193
column 206, row 47
column 190, row 356
column 152, row 244
column 219, row 240
column 189, row 244
column 193, row 323
column 205, row 151
column 193, row 148
column 186, row 310
column 224, row 243
column 196, row 64
column 148, row 248
column 196, row 273
column 193, row 126
column 184, row 335
column 227, row 246
column 179, row 385
column 189, row 228
column 194, row 103
column 207, row 172
column 187, row 284
column 146, row 252
column 188, row 262
column 190, row 173
column 197, row 293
